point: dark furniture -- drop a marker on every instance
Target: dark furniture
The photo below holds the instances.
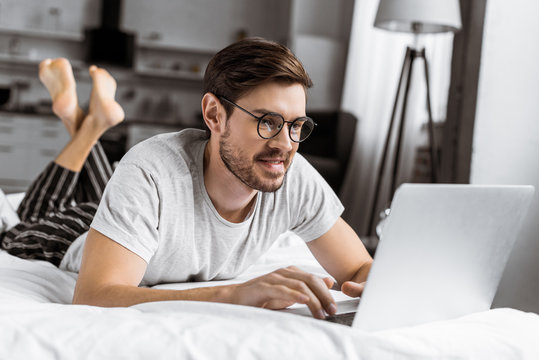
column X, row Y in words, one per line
column 329, row 146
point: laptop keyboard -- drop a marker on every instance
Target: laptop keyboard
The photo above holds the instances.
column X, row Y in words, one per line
column 343, row 319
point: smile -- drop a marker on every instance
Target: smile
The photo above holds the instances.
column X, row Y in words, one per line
column 272, row 165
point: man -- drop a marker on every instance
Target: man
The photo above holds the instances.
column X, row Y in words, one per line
column 182, row 207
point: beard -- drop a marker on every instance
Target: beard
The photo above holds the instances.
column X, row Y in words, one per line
column 243, row 167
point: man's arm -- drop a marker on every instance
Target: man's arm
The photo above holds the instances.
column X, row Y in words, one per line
column 343, row 255
column 110, row 275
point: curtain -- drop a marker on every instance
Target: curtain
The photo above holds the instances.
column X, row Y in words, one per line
column 374, row 64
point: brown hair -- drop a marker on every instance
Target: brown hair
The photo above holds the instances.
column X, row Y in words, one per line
column 248, row 63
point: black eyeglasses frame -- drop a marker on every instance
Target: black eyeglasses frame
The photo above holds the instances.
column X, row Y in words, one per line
column 260, row 118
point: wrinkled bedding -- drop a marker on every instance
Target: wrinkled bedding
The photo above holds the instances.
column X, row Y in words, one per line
column 37, row 322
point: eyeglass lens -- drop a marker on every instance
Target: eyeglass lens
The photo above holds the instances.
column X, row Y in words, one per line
column 271, row 124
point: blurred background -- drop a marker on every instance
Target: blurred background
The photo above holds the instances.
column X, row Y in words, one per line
column 158, row 52
column 484, row 86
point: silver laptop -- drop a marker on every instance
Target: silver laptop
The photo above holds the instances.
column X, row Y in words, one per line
column 441, row 255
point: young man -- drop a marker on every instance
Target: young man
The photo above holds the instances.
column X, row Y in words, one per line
column 47, row 221
column 182, row 207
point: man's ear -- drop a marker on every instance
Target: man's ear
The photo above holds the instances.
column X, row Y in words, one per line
column 213, row 112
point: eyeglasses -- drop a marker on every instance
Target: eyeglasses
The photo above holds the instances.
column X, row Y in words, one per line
column 271, row 124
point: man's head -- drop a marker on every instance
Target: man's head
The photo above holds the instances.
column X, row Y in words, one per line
column 246, row 64
column 243, row 82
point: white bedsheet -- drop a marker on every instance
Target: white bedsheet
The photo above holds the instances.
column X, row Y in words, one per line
column 36, row 322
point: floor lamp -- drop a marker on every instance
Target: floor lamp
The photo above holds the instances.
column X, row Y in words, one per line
column 416, row 17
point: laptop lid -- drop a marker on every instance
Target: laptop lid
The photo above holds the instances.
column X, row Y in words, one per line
column 442, row 253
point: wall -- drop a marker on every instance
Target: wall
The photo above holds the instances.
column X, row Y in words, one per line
column 372, row 74
column 319, row 36
column 506, row 135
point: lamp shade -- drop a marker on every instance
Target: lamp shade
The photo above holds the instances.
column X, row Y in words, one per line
column 418, row 16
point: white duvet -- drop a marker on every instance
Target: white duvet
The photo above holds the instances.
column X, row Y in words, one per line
column 37, row 322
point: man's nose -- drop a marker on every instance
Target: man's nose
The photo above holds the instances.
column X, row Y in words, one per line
column 282, row 140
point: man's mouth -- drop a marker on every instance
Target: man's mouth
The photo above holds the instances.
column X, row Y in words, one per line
column 273, row 164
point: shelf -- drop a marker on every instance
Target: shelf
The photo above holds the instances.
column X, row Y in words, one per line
column 148, row 45
column 27, row 63
column 79, row 37
column 165, row 73
column 27, row 60
column 44, row 34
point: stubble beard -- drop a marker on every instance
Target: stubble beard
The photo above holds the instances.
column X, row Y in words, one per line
column 242, row 167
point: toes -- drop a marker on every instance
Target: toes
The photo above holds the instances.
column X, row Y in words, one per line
column 97, row 71
column 97, row 74
column 58, row 62
column 104, row 83
column 44, row 63
column 62, row 62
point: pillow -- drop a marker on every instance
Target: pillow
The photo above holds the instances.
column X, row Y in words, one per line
column 8, row 216
column 15, row 199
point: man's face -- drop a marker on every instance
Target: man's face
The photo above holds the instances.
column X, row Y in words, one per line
column 260, row 163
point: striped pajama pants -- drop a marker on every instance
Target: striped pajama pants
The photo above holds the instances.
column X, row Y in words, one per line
column 58, row 207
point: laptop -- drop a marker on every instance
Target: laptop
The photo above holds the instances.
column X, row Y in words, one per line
column 441, row 255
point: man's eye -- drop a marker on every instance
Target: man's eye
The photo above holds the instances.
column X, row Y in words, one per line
column 296, row 126
column 271, row 122
column 267, row 123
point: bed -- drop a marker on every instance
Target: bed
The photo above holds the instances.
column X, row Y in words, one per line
column 37, row 321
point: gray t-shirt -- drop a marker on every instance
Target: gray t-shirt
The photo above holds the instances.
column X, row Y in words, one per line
column 156, row 205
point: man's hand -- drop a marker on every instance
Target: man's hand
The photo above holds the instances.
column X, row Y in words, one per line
column 343, row 256
column 352, row 288
column 285, row 287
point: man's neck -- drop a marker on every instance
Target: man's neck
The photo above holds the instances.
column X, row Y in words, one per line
column 231, row 198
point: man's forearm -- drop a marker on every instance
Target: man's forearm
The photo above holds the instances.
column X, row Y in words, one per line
column 126, row 295
column 361, row 275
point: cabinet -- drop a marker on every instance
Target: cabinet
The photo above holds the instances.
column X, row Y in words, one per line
column 176, row 38
column 63, row 18
column 27, row 145
column 204, row 25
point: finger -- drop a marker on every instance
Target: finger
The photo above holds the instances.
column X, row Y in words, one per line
column 353, row 289
column 317, row 286
column 281, row 294
column 329, row 282
column 314, row 304
column 266, row 294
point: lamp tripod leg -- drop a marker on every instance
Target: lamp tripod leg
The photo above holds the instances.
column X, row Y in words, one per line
column 400, row 135
column 379, row 178
column 407, row 66
column 432, row 140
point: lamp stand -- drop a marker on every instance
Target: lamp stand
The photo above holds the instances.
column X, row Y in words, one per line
column 407, row 67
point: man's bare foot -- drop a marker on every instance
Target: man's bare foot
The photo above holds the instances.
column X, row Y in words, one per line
column 104, row 110
column 57, row 76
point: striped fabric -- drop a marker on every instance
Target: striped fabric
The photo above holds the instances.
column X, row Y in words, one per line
column 58, row 207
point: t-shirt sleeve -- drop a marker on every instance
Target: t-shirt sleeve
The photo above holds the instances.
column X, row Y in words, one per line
column 316, row 207
column 129, row 210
